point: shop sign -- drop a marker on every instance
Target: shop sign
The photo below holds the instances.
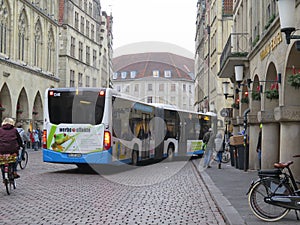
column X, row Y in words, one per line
column 271, row 45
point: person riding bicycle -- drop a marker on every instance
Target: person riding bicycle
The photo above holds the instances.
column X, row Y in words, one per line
column 10, row 140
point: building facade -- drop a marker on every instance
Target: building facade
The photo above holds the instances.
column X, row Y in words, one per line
column 50, row 44
column 269, row 66
column 85, row 44
column 213, row 26
column 28, row 57
column 156, row 77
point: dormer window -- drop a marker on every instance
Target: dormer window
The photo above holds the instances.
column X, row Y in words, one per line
column 132, row 74
column 155, row 73
column 123, row 75
column 168, row 73
column 115, row 76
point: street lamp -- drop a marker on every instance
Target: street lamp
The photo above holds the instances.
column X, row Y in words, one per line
column 287, row 12
column 225, row 90
column 239, row 73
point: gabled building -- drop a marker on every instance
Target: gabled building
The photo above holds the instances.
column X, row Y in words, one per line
column 155, row 76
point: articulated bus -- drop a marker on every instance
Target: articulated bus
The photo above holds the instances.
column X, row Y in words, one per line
column 101, row 126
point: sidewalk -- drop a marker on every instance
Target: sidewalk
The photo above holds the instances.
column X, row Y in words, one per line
column 229, row 186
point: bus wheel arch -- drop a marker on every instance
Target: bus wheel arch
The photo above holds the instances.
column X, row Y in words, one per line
column 171, row 150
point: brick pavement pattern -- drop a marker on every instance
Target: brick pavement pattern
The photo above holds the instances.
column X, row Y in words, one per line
column 154, row 194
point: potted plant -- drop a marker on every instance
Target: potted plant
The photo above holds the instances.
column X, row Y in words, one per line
column 294, row 80
column 255, row 96
column 273, row 92
column 245, row 100
column 235, row 105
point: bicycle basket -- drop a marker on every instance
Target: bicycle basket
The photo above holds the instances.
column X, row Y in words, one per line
column 8, row 158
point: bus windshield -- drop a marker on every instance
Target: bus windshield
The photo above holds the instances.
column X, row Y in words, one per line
column 76, row 107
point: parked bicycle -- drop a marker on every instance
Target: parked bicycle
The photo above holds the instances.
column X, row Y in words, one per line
column 7, row 162
column 275, row 193
column 23, row 158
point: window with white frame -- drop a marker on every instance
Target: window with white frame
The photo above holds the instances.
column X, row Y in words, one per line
column 132, row 74
column 127, row 89
column 168, row 73
column 115, row 75
column 94, row 82
column 155, row 73
column 149, row 99
column 80, row 51
column 173, row 87
column 136, row 87
column 87, row 55
column 150, row 88
column 123, row 74
column 80, row 75
column 87, row 28
column 76, row 20
column 72, row 78
column 87, row 81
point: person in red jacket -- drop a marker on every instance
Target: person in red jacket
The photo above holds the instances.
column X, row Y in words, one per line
column 10, row 140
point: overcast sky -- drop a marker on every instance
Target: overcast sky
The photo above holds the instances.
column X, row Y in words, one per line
column 171, row 21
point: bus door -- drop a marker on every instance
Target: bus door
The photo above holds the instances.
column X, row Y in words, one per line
column 182, row 145
column 158, row 133
column 145, row 136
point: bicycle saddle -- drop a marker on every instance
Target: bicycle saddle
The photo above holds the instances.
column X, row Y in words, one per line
column 282, row 165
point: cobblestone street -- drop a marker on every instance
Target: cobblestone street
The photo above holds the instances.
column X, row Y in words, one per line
column 153, row 194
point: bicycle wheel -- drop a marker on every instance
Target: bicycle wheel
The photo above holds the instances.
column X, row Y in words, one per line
column 225, row 157
column 23, row 161
column 265, row 188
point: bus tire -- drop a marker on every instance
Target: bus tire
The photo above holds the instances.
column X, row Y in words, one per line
column 170, row 153
column 135, row 157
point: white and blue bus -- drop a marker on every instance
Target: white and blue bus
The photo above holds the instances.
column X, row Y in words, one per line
column 101, row 126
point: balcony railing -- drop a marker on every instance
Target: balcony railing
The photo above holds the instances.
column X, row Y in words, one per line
column 237, row 46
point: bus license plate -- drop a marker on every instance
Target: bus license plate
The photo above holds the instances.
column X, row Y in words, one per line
column 74, row 155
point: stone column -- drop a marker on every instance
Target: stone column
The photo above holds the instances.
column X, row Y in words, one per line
column 253, row 132
column 289, row 117
column 270, row 139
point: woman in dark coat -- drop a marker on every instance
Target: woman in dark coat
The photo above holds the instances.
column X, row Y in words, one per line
column 10, row 140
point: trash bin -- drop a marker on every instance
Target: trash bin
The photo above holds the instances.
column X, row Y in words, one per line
column 243, row 157
column 231, row 151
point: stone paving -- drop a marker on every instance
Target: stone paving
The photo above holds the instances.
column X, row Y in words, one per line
column 163, row 193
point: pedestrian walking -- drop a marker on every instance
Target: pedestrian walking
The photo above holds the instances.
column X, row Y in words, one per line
column 258, row 148
column 39, row 132
column 209, row 141
column 28, row 134
column 35, row 140
column 219, row 148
